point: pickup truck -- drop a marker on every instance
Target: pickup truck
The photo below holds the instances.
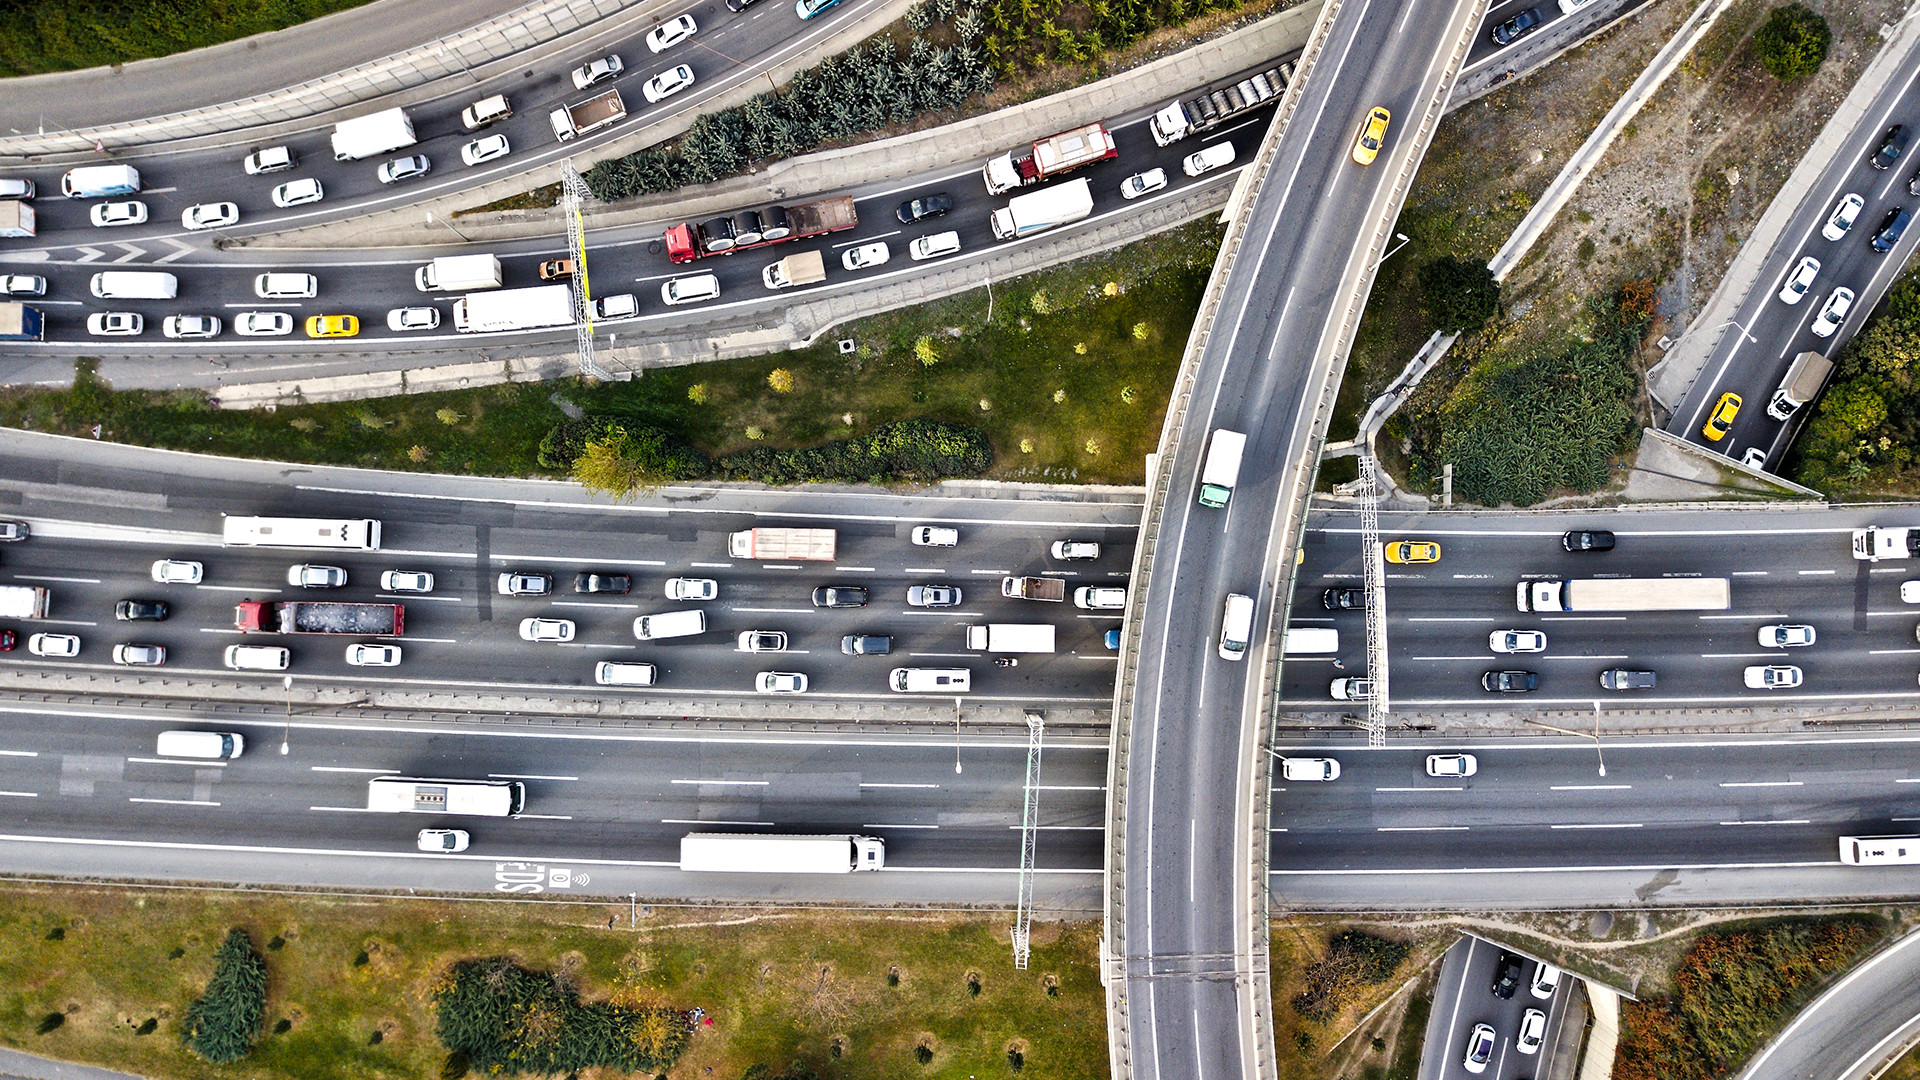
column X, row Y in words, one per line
column 1052, row 590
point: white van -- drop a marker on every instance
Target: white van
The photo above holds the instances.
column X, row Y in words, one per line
column 1311, row 641
column 670, row 624
column 930, row 680
column 1209, row 159
column 135, row 285
column 691, row 289
column 1236, row 627
column 285, row 286
column 257, row 657
column 100, row 181
column 932, row 247
column 617, row 673
column 200, row 744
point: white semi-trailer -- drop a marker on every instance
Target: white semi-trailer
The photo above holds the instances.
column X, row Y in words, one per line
column 513, row 309
column 753, row 853
column 1626, row 594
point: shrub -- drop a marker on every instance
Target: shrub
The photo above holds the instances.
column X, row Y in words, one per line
column 1793, row 42
column 781, row 380
column 927, row 352
column 498, row 1017
column 912, row 451
column 223, row 1023
column 625, row 458
column 1353, row 959
column 1460, row 295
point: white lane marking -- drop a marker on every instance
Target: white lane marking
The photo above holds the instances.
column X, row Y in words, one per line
column 1419, row 789
column 1621, row 825
column 854, row 569
column 36, row 753
column 411, row 597
column 1748, row 617
column 177, row 802
column 49, row 577
column 991, row 573
column 1763, row 783
column 545, row 817
column 1739, row 655
column 596, row 604
column 238, row 588
column 876, row 825
column 195, row 762
column 947, row 655
column 878, row 785
column 777, row 610
column 713, row 565
column 21, row 794
column 1069, row 787
column 350, row 769
column 1583, row 618
column 1811, row 573
column 1449, row 619
column 941, row 570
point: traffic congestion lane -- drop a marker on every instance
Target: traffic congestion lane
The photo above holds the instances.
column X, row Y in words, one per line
column 1465, row 999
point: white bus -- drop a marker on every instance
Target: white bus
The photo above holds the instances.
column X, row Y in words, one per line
column 353, row 534
column 1879, row 850
column 482, row 798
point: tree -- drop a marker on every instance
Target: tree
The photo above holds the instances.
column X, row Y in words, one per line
column 622, row 460
column 1461, row 296
column 222, row 1024
column 1793, row 42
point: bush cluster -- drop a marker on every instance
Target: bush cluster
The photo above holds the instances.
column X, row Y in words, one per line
column 1793, row 42
column 499, row 1017
column 1024, row 33
column 1731, row 990
column 1869, row 421
column 223, row 1023
column 1461, row 295
column 843, row 97
column 1353, row 959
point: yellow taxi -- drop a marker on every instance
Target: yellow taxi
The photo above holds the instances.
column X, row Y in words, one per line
column 1407, row 552
column 1721, row 420
column 1372, row 134
column 333, row 326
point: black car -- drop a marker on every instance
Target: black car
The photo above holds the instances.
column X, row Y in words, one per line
column 1587, row 540
column 613, row 583
column 1344, row 598
column 740, row 5
column 924, row 207
column 1506, row 975
column 866, row 645
column 140, row 610
column 839, row 596
column 1892, row 227
column 1624, row 679
column 1518, row 27
column 1509, row 682
column 1891, row 147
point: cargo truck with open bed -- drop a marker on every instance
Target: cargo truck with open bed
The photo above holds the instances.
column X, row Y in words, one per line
column 806, row 268
column 758, row 853
column 319, row 617
column 1052, row 156
column 782, row 545
column 749, row 229
column 1053, row 590
column 582, row 117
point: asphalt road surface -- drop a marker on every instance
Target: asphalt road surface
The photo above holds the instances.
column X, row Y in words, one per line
column 1463, row 998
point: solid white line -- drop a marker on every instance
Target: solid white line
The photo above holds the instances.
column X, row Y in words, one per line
column 346, row 809
column 49, row 577
column 1601, row 826
column 935, row 786
column 1069, row 787
column 411, row 597
column 1440, row 619
column 1762, row 783
column 526, row 776
column 713, row 565
column 1583, row 618
column 545, row 817
column 946, row 655
column 1812, row 1010
column 854, row 569
column 19, row 753
column 349, row 769
column 925, row 570
column 177, row 761
column 21, row 794
column 1590, row 787
column 236, row 588
column 1909, row 780
column 714, row 821
column 733, row 783
column 776, row 610
column 1809, row 573
column 596, row 604
column 177, row 802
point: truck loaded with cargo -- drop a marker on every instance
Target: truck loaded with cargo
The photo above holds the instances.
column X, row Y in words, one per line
column 1803, row 382
column 1876, row 542
column 22, row 322
column 23, row 602
column 782, row 545
column 458, row 273
column 513, row 309
column 319, row 617
column 749, row 853
column 1215, row 107
column 1051, row 589
column 1052, row 156
column 580, row 118
column 375, row 133
column 1038, row 211
column 806, row 268
column 1011, row 637
column 1625, row 594
column 16, row 218
column 757, row 228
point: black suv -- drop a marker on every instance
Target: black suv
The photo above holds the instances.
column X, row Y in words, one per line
column 1587, row 540
column 866, row 645
column 1891, row 147
column 613, row 583
column 140, row 610
column 839, row 596
column 1347, row 598
column 1627, row 679
column 1506, row 975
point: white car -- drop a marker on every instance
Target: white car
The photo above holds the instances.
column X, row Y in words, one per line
column 667, row 83
column 211, row 215
column 115, row 323
column 1755, row 457
column 1309, row 768
column 866, row 256
column 315, row 576
column 406, row 581
column 263, row 324
column 1832, row 313
column 762, row 641
column 1800, row 280
column 1910, row 592
column 1480, row 1043
column 404, row 168
column 1075, row 550
column 178, row 572
column 481, row 151
column 692, row 588
column 1461, row 765
column 671, row 33
column 1100, row 597
column 1783, row 636
column 132, row 655
column 23, row 285
column 413, row 318
column 932, row 247
column 447, row 840
column 546, row 629
column 190, row 326
column 780, row 682
column 361, row 654
column 1517, row 641
column 617, row 306
column 54, row 645
column 1545, row 978
column 1843, row 216
column 1533, row 1029
column 298, row 193
column 691, row 289
column 1341, row 689
column 106, row 215
column 597, row 71
column 1205, row 161
column 271, row 160
column 933, row 596
column 1145, row 183
column 933, row 536
column 1772, row 677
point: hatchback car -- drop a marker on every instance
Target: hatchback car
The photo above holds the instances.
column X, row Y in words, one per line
column 594, row 72
column 1892, row 145
column 54, row 645
column 1627, row 679
column 1100, row 597
column 1784, row 636
column 491, row 148
column 404, row 168
column 839, row 596
column 271, row 160
column 866, row 645
column 136, row 655
column 692, row 289
column 1351, row 689
column 1217, row 156
column 667, row 83
column 312, row 576
column 1309, row 769
column 1772, row 677
column 141, row 611
column 298, row 192
column 934, row 246
column 116, row 323
column 177, row 572
column 1587, row 540
column 1480, row 1043
column 108, row 215
column 933, row 536
column 1506, row 975
column 762, row 641
column 406, row 581
column 445, row 840
column 1845, row 213
column 1518, row 27
column 546, row 630
column 1145, row 183
column 1344, row 598
column 618, row 306
column 22, row 285
column 1832, row 313
column 671, row 33
column 692, row 588
column 1755, row 457
column 926, row 206
column 1533, row 1029
column 932, row 596
column 1457, row 765
column 1800, row 280
column 780, row 682
column 362, row 654
column 404, row 319
column 1075, row 550
column 1412, row 552
column 14, row 188
column 1721, row 421
column 190, row 326
column 1509, row 682
column 866, row 256
column 1517, row 641
column 1373, row 133
column 602, row 583
column 211, row 215
column 329, row 326
column 263, row 324
column 1546, row 977
column 557, row 270
column 512, row 584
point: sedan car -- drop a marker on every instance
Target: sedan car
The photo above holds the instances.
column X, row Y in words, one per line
column 692, row 588
column 54, row 645
column 22, row 285
column 667, row 83
column 107, row 215
column 807, row 9
column 1506, row 975
column 1627, row 679
column 671, row 33
column 445, row 840
column 1509, row 682
column 932, row 596
column 1480, row 1043
column 406, row 581
column 311, row 576
column 298, row 192
column 1845, row 213
column 141, row 611
column 556, row 270
column 1587, row 540
column 926, row 206
column 362, row 654
column 190, row 326
column 136, row 655
column 933, row 536
column 1533, row 1029
column 866, row 645
column 405, row 168
column 585, row 582
column 1892, row 145
column 263, row 324
column 1075, row 550
column 1411, row 552
column 1518, row 27
column 1309, row 769
column 780, row 682
column 1721, row 420
column 1517, row 641
column 1145, row 183
column 328, row 326
column 13, row 531
column 1351, row 689
column 1772, row 677
column 598, row 71
column 1100, row 598
column 1800, row 280
column 1373, row 133
column 512, row 584
column 866, row 256
column 482, row 150
column 1460, row 765
column 1832, row 313
column 839, row 596
column 1784, row 636
column 209, row 216
column 403, row 319
column 13, row 188
column 115, row 323
column 547, row 630
column 762, row 641
column 1344, row 598
column 271, row 160
column 177, row 572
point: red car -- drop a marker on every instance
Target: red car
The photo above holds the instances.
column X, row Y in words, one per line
column 6, row 640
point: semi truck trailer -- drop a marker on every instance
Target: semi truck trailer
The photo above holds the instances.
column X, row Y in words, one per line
column 458, row 273
column 513, row 309
column 749, row 853
column 580, row 118
column 1215, row 107
column 750, row 229
column 1011, row 637
column 377, row 133
column 314, row 617
column 782, row 545
column 1625, row 594
column 1038, row 211
column 1052, row 156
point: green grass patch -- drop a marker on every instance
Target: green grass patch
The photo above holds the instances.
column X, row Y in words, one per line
column 1413, row 1033
column 852, row 995
column 37, row 37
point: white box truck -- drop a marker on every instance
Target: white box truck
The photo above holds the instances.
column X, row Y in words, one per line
column 806, row 268
column 378, row 133
column 1011, row 637
column 1048, row 208
column 16, row 218
column 513, row 309
column 749, row 853
column 1803, row 382
column 458, row 273
column 1222, row 468
column 782, row 545
column 23, row 602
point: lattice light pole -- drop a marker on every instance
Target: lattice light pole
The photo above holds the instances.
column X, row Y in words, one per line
column 1029, row 830
column 573, row 194
column 1376, row 584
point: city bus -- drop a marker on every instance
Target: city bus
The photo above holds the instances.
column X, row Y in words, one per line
column 482, row 798
column 350, row 534
column 1879, row 850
